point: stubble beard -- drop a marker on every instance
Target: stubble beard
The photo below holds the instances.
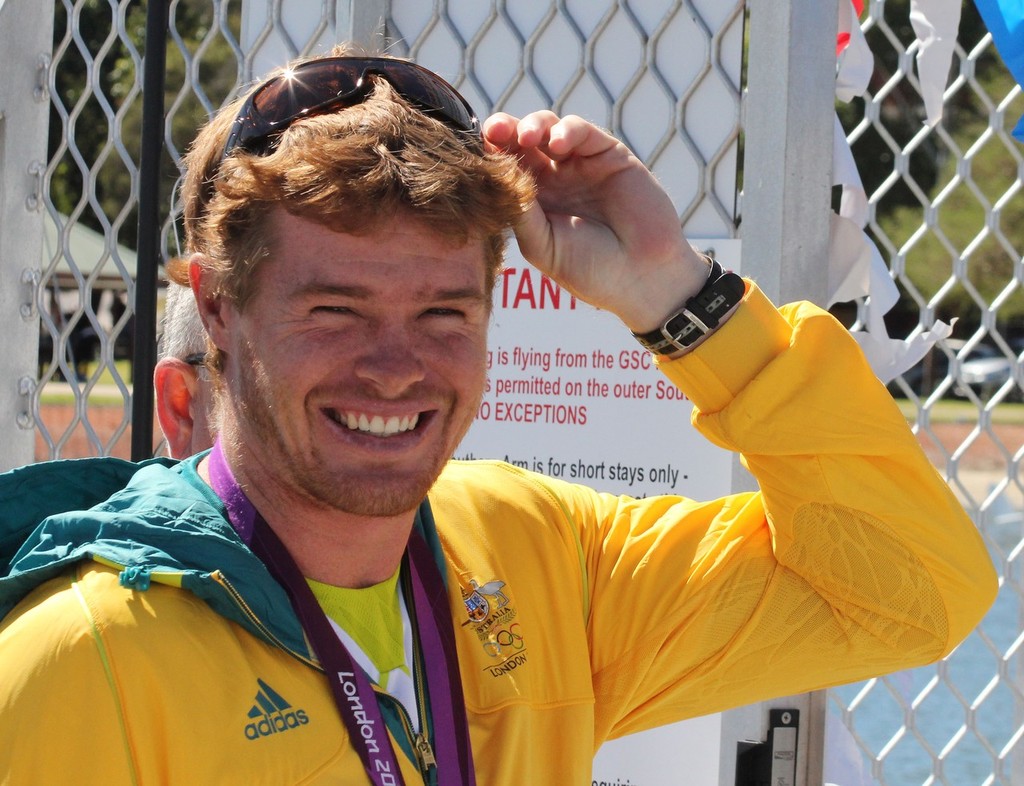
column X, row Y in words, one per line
column 305, row 473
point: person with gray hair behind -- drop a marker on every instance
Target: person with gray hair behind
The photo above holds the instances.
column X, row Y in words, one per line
column 184, row 399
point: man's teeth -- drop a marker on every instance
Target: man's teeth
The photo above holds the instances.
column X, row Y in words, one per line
column 380, row 426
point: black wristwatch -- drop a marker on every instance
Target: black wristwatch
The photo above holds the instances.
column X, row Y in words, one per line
column 699, row 315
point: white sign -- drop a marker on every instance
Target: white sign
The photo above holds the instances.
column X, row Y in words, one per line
column 683, row 754
column 572, row 395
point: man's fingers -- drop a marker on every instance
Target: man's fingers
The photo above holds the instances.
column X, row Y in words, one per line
column 500, row 132
column 556, row 138
column 535, row 128
column 506, row 131
column 525, row 137
column 535, row 238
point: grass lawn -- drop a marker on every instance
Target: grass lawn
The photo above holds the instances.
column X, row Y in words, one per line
column 105, row 392
column 951, row 410
column 59, row 394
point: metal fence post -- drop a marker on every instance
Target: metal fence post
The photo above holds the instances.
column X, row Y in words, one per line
column 26, row 39
column 360, row 21
column 787, row 161
column 786, row 200
column 149, row 254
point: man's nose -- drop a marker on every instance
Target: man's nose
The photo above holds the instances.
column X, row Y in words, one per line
column 391, row 362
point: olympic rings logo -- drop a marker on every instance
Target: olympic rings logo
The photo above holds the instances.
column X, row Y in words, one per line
column 504, row 639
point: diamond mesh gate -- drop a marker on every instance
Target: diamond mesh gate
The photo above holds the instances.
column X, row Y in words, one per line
column 605, row 61
column 946, row 213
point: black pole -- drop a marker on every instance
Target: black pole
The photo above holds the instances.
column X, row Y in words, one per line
column 149, row 256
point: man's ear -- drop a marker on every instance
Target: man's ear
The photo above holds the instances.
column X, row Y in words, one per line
column 212, row 306
column 175, row 382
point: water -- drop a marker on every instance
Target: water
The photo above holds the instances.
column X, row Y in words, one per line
column 956, row 722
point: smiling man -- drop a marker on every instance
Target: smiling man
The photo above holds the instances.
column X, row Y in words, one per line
column 353, row 372
column 325, row 597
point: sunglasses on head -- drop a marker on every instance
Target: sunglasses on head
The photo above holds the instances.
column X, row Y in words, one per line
column 317, row 87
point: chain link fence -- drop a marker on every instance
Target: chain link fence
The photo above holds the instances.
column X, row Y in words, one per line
column 945, row 212
column 947, row 215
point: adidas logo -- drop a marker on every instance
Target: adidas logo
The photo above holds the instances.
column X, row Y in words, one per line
column 274, row 714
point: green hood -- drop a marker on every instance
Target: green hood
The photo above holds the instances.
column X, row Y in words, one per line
column 157, row 520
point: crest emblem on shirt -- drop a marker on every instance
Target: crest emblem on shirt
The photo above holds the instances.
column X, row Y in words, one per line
column 492, row 617
column 476, row 607
column 481, row 597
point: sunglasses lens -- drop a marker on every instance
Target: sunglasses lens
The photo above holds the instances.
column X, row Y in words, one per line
column 319, row 86
column 298, row 92
column 431, row 94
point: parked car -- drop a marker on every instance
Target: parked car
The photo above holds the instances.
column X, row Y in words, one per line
column 985, row 375
column 934, row 368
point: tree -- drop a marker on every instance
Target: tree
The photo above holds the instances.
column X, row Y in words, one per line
column 956, row 266
column 96, row 126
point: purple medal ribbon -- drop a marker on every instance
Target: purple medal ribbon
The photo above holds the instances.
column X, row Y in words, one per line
column 352, row 690
column 437, row 643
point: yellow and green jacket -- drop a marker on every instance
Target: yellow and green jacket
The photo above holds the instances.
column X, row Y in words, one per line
column 142, row 642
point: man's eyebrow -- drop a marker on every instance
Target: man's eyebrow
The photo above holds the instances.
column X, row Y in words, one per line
column 340, row 290
column 358, row 292
column 460, row 293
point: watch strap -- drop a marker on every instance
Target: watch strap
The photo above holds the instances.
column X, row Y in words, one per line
column 701, row 314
